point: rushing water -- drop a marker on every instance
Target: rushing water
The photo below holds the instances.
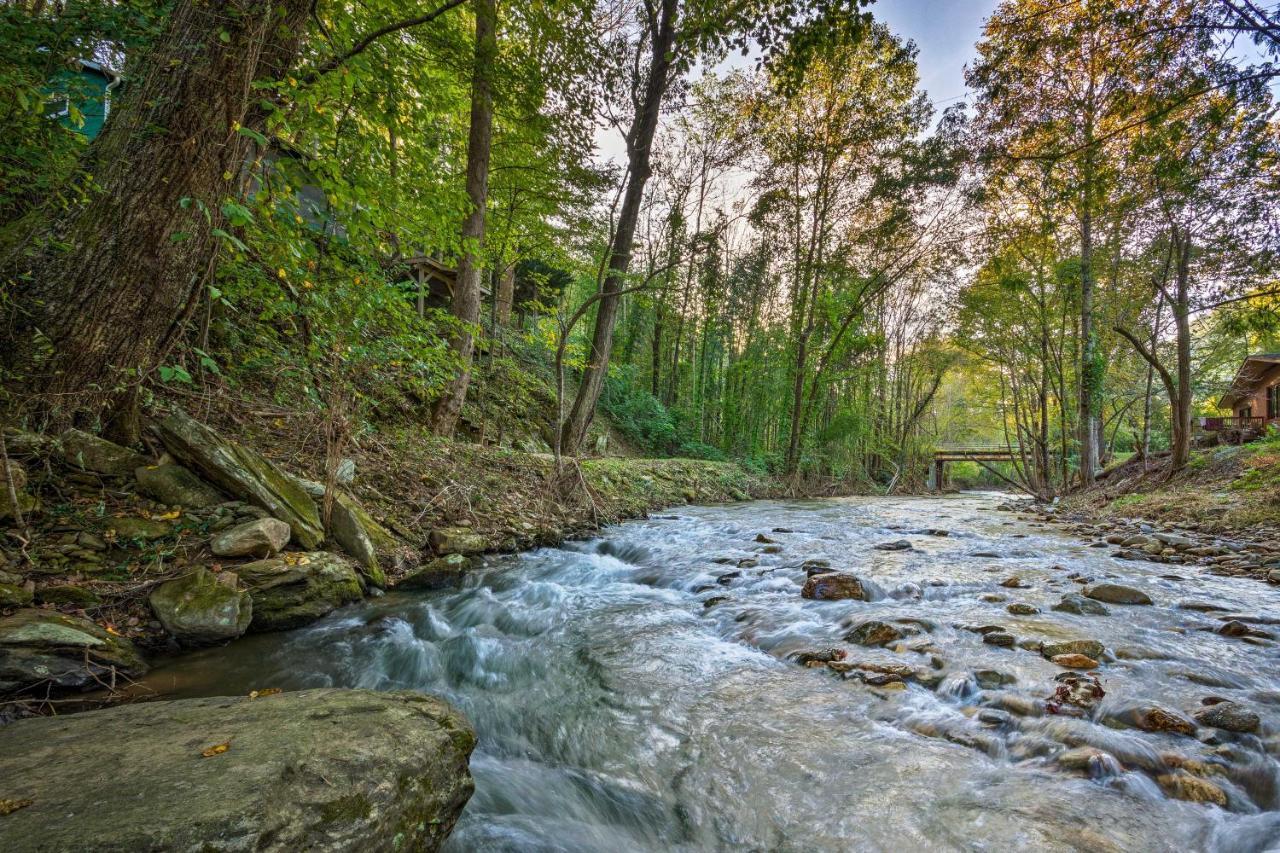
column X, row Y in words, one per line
column 616, row 713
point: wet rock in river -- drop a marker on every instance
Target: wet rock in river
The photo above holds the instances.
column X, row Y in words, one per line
column 1020, row 609
column 993, row 679
column 1236, row 628
column 1114, row 593
column 1183, row 786
column 1075, row 661
column 1153, row 718
column 834, row 586
column 820, row 657
column 1013, row 582
column 261, row 538
column 765, row 540
column 1089, row 648
column 1229, row 716
column 993, row 597
column 1081, row 606
column 873, row 633
column 1089, row 760
column 771, row 549
column 814, row 567
column 899, row 545
column 748, row 563
column 1202, row 606
column 1074, row 694
column 999, row 638
column 728, row 578
column 707, row 604
column 319, row 770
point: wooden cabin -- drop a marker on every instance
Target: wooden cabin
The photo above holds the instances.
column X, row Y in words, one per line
column 435, row 280
column 1253, row 398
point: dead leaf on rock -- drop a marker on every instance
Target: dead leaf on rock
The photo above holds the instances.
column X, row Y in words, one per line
column 258, row 694
column 11, row 806
column 216, row 749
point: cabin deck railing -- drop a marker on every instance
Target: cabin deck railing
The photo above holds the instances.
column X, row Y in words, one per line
column 1215, row 423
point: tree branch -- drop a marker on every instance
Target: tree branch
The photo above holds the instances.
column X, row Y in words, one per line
column 335, row 62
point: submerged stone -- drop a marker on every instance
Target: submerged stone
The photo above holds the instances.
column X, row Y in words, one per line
column 1230, row 717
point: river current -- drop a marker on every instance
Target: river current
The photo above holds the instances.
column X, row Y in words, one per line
column 616, row 712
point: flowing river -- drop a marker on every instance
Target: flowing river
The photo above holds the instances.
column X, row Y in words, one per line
column 617, row 712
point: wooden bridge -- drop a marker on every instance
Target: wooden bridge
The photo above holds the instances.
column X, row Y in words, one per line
column 980, row 453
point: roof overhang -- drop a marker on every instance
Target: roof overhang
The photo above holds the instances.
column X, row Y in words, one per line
column 1251, row 370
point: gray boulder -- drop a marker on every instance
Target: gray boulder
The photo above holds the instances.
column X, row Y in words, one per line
column 202, row 608
column 243, row 473
column 97, row 455
column 457, row 540
column 1114, row 593
column 43, row 647
column 262, row 537
column 317, row 770
column 176, row 486
column 1081, row 606
column 298, row 588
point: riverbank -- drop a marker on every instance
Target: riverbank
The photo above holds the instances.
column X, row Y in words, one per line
column 218, row 528
column 1221, row 513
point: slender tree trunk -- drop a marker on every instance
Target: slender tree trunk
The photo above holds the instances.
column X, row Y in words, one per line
column 505, row 296
column 97, row 294
column 1181, row 315
column 639, row 148
column 466, row 293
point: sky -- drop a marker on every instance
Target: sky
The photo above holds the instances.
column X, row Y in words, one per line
column 945, row 32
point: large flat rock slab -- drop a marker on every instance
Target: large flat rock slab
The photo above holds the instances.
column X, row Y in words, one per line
column 317, row 770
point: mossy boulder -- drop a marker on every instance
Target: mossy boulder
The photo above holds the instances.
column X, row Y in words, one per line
column 138, row 529
column 202, row 608
column 357, row 533
column 69, row 593
column 14, row 595
column 42, row 647
column 298, row 588
column 317, row 770
column 243, row 473
column 175, row 485
column 441, row 572
column 88, row 452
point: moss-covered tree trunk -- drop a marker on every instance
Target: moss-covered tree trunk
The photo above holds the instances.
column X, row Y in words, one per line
column 95, row 295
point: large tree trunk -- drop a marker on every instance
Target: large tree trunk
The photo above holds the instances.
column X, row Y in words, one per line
column 99, row 293
column 466, row 293
column 639, row 147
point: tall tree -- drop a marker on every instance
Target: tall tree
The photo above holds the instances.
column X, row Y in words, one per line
column 466, row 294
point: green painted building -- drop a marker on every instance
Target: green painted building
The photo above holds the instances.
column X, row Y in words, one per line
column 80, row 97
